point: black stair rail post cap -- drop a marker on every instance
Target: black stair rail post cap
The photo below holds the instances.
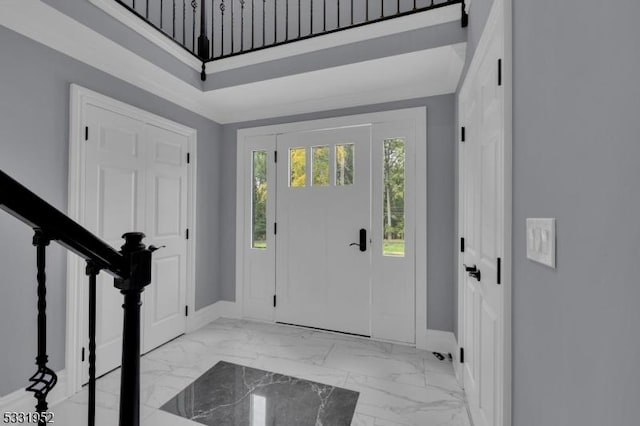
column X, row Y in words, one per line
column 137, row 263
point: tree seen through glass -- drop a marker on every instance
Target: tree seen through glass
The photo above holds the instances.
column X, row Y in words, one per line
column 394, row 189
column 259, row 200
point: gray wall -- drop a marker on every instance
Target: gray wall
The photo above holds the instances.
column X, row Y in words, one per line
column 34, row 105
column 440, row 146
column 576, row 157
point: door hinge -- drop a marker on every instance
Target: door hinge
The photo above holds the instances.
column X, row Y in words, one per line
column 461, row 355
column 86, row 133
column 500, row 72
column 275, row 156
column 463, row 130
column 499, row 267
column 188, row 158
column 82, row 355
column 462, row 245
column 186, row 310
column 186, row 234
column 275, row 228
column 274, row 300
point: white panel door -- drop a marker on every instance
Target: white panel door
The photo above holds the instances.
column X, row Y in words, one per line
column 114, row 204
column 482, row 167
column 164, row 300
column 136, row 180
column 324, row 200
column 259, row 242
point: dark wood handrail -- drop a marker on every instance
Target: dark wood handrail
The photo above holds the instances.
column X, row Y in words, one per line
column 26, row 206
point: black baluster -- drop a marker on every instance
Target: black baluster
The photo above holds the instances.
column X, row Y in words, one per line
column 161, row 12
column 92, row 271
column 184, row 22
column 233, row 26
column 134, row 4
column 311, row 18
column 338, row 13
column 286, row 20
column 264, row 8
column 398, row 6
column 194, row 6
column 414, row 5
column 253, row 23
column 367, row 10
column 213, row 45
column 351, row 12
column 44, row 379
column 299, row 20
column 173, row 34
column 324, row 15
column 381, row 8
column 242, row 25
column 222, row 7
column 146, row 10
column 275, row 21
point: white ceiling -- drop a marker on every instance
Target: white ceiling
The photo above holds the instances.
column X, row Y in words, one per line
column 417, row 74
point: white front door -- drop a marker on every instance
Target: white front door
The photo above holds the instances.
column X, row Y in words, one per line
column 136, row 181
column 323, row 271
column 482, row 161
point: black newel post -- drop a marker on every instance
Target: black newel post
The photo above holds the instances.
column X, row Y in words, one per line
column 138, row 275
column 203, row 41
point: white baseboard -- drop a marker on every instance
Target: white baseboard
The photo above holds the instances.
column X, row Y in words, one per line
column 203, row 316
column 441, row 341
column 24, row 402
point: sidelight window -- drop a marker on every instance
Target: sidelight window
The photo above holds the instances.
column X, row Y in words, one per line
column 393, row 197
column 259, row 200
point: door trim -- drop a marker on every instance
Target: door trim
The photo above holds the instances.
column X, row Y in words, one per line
column 79, row 99
column 500, row 19
column 419, row 115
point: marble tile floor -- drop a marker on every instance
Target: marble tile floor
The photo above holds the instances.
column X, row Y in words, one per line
column 397, row 385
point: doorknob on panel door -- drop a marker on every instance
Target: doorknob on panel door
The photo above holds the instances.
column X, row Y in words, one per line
column 470, row 268
column 362, row 243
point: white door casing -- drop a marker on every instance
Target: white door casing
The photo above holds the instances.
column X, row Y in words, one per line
column 323, row 279
column 125, row 148
column 484, row 223
column 408, row 326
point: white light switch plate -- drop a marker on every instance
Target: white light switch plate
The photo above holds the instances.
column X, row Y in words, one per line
column 541, row 240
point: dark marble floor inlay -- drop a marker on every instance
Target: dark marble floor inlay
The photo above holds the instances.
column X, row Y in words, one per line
column 234, row 395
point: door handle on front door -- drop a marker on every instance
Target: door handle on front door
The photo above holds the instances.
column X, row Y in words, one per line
column 363, row 240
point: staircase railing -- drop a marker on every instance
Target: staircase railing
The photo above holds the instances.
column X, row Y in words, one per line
column 131, row 269
column 216, row 29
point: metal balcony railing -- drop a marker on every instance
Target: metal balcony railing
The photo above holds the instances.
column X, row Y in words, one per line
column 216, row 29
